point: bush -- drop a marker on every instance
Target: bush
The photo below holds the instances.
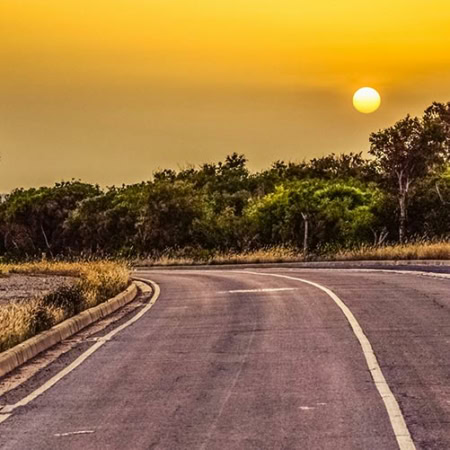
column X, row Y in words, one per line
column 41, row 319
column 69, row 298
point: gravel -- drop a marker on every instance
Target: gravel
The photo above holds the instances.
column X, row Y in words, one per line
column 16, row 287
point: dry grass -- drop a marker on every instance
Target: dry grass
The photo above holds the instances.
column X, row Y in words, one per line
column 410, row 251
column 97, row 281
column 266, row 255
column 421, row 250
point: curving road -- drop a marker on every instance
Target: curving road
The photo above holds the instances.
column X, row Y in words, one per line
column 239, row 360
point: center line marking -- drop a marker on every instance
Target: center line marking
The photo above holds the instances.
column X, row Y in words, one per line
column 72, row 433
column 396, row 418
column 244, row 291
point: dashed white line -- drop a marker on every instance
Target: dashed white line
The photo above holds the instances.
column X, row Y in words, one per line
column 245, row 291
column 73, row 433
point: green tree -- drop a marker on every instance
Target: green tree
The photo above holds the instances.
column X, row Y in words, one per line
column 108, row 223
column 171, row 211
column 316, row 212
column 407, row 152
column 34, row 218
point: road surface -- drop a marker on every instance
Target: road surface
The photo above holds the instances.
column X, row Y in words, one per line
column 240, row 360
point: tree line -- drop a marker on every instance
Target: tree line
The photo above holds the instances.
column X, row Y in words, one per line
column 400, row 190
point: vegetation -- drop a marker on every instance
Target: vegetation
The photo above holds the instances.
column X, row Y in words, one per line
column 413, row 250
column 329, row 205
column 96, row 282
column 393, row 205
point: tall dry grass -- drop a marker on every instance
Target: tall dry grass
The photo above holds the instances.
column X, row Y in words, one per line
column 413, row 250
column 408, row 251
column 264, row 255
column 96, row 282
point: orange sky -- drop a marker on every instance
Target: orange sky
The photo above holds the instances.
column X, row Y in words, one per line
column 108, row 91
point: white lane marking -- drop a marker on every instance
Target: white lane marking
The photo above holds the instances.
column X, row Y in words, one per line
column 244, row 291
column 438, row 275
column 398, row 423
column 6, row 409
column 72, row 433
column 3, row 417
column 52, row 381
column 306, row 408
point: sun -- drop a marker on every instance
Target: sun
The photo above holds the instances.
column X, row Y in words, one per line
column 366, row 100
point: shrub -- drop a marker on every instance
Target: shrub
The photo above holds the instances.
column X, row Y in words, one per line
column 69, row 298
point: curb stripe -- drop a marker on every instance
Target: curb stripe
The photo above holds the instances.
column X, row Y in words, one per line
column 6, row 411
column 23, row 352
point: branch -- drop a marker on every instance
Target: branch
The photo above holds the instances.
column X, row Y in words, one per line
column 441, row 198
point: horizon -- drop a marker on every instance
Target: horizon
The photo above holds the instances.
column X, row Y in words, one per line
column 109, row 92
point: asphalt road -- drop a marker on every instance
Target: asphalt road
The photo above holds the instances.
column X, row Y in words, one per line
column 232, row 360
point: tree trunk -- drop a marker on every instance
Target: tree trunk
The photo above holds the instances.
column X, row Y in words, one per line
column 403, row 188
column 47, row 244
column 403, row 217
column 305, row 236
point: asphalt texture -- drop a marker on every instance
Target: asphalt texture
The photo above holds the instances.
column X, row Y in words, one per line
column 225, row 361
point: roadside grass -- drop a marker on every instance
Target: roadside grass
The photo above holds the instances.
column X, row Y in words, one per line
column 96, row 282
column 264, row 255
column 408, row 251
column 413, row 250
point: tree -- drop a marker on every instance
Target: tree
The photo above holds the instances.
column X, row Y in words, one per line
column 169, row 216
column 316, row 212
column 34, row 218
column 429, row 208
column 406, row 152
column 344, row 166
column 108, row 223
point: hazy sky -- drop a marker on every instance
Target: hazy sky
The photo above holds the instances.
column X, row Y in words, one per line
column 109, row 90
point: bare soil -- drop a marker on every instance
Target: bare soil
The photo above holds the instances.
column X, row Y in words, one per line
column 18, row 287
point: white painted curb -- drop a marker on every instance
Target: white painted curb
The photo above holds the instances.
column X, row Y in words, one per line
column 16, row 356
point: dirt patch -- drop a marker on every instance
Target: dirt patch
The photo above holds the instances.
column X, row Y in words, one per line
column 16, row 287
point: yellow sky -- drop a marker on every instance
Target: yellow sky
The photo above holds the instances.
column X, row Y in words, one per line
column 107, row 91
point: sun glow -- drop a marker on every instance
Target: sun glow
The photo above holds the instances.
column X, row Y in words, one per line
column 366, row 100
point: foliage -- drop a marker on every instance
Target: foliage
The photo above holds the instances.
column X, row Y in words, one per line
column 410, row 150
column 69, row 298
column 340, row 212
column 333, row 201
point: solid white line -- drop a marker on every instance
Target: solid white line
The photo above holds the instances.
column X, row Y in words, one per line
column 398, row 423
column 52, row 381
column 3, row 417
column 438, row 275
column 244, row 291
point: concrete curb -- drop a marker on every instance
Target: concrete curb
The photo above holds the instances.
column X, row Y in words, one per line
column 16, row 356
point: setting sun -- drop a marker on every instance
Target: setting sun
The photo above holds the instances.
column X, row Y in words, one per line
column 366, row 100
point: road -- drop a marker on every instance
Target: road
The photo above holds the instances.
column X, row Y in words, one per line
column 240, row 360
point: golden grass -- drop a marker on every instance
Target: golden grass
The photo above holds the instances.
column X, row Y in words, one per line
column 409, row 251
column 265, row 255
column 97, row 281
